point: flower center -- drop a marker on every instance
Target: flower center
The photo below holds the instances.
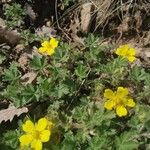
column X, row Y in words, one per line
column 36, row 135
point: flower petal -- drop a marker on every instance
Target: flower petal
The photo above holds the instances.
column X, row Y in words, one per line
column 122, row 92
column 130, row 103
column 121, row 111
column 109, row 104
column 53, row 43
column 25, row 139
column 50, row 51
column 42, row 50
column 108, row 93
column 45, row 136
column 45, row 44
column 36, row 145
column 42, row 124
column 122, row 50
column 131, row 52
column 131, row 58
column 119, row 51
column 28, row 126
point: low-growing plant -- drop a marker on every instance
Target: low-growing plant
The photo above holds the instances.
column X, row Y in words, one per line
column 95, row 99
column 14, row 15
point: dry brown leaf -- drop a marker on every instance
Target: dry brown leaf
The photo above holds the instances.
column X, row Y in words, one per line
column 11, row 112
column 28, row 78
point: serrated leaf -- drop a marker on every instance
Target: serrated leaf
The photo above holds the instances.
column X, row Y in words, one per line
column 62, row 53
column 12, row 73
column 38, row 63
column 126, row 141
column 138, row 74
column 11, row 139
column 81, row 71
column 62, row 90
column 11, row 112
column 30, row 93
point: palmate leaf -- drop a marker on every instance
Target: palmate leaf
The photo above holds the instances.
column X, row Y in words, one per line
column 137, row 74
column 126, row 141
column 62, row 53
column 24, row 96
column 12, row 73
column 81, row 71
column 30, row 93
column 92, row 41
column 61, row 90
column 68, row 142
column 98, row 142
column 10, row 138
column 38, row 63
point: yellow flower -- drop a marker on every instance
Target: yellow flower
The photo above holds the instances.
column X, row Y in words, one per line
column 48, row 47
column 118, row 101
column 35, row 134
column 127, row 52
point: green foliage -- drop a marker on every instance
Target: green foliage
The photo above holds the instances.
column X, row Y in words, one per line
column 12, row 74
column 10, row 138
column 14, row 15
column 69, row 88
column 67, row 2
column 2, row 58
column 126, row 141
column 28, row 37
column 38, row 63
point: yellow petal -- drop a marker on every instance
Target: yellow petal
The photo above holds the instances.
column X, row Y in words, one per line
column 45, row 44
column 130, row 103
column 53, row 42
column 131, row 58
column 50, row 52
column 25, row 139
column 45, row 136
column 109, row 105
column 121, row 111
column 131, row 52
column 119, row 51
column 42, row 124
column 36, row 145
column 122, row 50
column 122, row 92
column 28, row 126
column 108, row 93
column 42, row 50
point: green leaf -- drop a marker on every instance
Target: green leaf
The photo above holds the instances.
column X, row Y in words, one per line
column 31, row 92
column 81, row 71
column 12, row 73
column 62, row 90
column 10, row 138
column 98, row 143
column 2, row 58
column 92, row 41
column 137, row 74
column 68, row 142
column 147, row 125
column 126, row 141
column 38, row 63
column 62, row 53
